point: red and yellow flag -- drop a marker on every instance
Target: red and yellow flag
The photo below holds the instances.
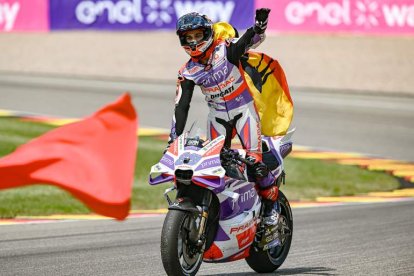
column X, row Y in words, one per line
column 274, row 103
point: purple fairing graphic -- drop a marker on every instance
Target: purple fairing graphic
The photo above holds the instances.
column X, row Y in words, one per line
column 209, row 163
column 221, row 235
column 231, row 208
column 167, row 161
column 193, row 148
column 216, row 182
column 161, row 179
column 228, row 209
column 273, row 149
column 188, row 159
column 285, row 149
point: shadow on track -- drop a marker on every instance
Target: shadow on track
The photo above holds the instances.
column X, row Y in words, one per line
column 289, row 271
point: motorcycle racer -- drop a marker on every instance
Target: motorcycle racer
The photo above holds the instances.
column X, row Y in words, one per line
column 215, row 66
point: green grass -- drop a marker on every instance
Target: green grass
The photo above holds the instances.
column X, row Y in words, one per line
column 145, row 196
column 306, row 179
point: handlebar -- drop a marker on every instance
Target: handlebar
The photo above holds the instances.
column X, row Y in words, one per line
column 245, row 161
column 231, row 155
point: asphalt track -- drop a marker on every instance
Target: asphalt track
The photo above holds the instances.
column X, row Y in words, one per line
column 356, row 239
column 362, row 239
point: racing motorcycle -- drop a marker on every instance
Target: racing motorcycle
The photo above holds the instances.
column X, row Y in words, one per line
column 217, row 213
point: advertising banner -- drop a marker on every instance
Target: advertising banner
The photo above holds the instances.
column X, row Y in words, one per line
column 357, row 16
column 24, row 15
column 144, row 14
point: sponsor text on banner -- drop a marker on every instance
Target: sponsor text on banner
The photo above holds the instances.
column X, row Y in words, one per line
column 358, row 16
column 144, row 14
column 24, row 15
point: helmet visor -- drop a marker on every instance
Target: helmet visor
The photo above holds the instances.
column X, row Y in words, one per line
column 191, row 39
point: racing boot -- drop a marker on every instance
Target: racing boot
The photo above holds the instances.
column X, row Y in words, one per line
column 271, row 211
column 271, row 234
column 267, row 189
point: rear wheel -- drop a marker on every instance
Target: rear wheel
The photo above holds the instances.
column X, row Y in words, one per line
column 179, row 255
column 269, row 260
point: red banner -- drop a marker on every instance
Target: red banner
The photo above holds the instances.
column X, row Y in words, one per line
column 24, row 15
column 94, row 159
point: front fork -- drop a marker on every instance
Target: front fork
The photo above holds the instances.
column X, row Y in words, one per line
column 204, row 216
column 197, row 237
column 166, row 192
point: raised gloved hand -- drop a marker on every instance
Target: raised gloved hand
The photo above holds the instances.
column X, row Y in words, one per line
column 261, row 19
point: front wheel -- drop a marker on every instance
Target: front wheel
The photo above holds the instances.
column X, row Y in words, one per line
column 179, row 255
column 269, row 260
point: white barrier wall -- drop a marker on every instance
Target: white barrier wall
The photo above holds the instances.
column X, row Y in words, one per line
column 384, row 64
column 341, row 44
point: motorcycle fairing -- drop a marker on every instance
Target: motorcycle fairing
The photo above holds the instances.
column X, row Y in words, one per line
column 239, row 210
column 238, row 219
column 184, row 204
column 234, row 235
column 239, row 203
column 205, row 164
column 239, row 196
column 277, row 147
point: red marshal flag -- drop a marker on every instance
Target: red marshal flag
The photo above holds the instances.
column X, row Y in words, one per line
column 93, row 159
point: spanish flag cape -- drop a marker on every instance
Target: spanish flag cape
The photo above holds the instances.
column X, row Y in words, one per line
column 273, row 103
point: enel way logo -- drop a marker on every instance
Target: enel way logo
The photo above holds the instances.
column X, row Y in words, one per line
column 158, row 12
column 144, row 14
column 376, row 16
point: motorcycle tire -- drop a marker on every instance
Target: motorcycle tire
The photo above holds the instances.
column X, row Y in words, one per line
column 271, row 259
column 172, row 241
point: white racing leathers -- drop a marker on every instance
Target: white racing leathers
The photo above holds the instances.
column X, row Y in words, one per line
column 226, row 92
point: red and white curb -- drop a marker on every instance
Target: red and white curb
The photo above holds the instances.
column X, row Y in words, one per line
column 80, row 217
column 400, row 169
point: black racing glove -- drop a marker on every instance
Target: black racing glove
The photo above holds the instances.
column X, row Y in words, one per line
column 258, row 169
column 166, row 148
column 262, row 16
column 170, row 141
